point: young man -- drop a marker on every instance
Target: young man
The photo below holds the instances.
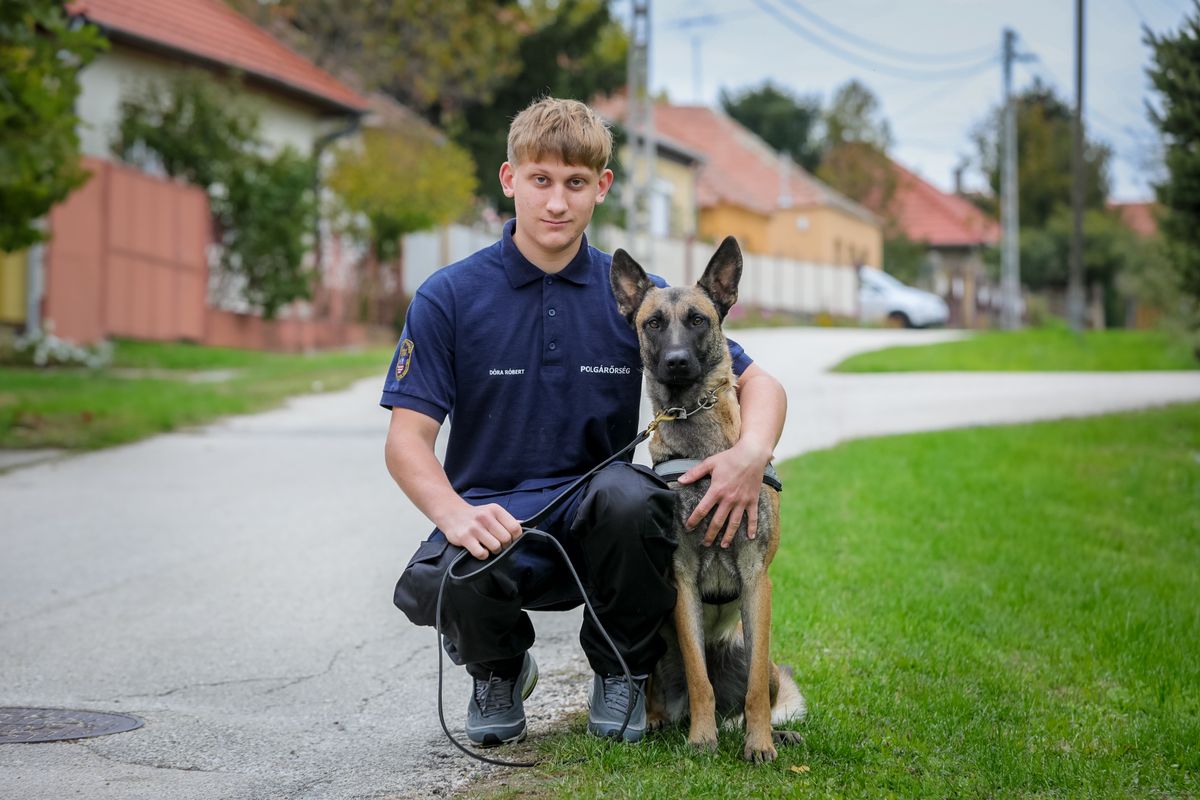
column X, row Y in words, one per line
column 522, row 347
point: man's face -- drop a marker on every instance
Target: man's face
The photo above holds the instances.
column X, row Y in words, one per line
column 554, row 204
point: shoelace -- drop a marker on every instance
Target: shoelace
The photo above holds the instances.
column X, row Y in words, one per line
column 616, row 692
column 494, row 695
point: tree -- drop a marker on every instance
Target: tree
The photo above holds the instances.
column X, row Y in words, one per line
column 401, row 180
column 1043, row 156
column 1109, row 250
column 467, row 66
column 1176, row 78
column 857, row 138
column 569, row 48
column 435, row 56
column 197, row 128
column 855, row 116
column 203, row 132
column 903, row 257
column 266, row 219
column 40, row 58
column 779, row 117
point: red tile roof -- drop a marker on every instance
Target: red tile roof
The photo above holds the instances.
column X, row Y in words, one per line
column 210, row 31
column 739, row 168
column 925, row 213
column 1138, row 217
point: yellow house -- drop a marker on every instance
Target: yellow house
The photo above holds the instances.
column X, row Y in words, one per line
column 771, row 204
column 673, row 194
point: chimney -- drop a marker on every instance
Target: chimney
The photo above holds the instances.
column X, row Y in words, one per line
column 958, row 174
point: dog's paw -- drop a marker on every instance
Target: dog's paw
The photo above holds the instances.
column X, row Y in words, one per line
column 703, row 737
column 655, row 722
column 783, row 738
column 758, row 751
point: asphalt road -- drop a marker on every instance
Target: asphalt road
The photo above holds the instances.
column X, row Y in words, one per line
column 231, row 585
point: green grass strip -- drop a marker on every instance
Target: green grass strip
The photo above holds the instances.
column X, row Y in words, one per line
column 154, row 388
column 1033, row 350
column 993, row 612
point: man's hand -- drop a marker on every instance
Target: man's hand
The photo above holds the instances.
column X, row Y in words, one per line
column 736, row 479
column 482, row 530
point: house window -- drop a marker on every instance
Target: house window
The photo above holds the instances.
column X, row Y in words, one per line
column 660, row 209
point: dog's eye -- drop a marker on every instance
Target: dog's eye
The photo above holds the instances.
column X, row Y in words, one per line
column 653, row 323
column 697, row 321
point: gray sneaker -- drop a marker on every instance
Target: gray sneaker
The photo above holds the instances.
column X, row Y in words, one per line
column 495, row 714
column 610, row 700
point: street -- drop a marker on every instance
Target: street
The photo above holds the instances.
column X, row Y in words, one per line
column 232, row 585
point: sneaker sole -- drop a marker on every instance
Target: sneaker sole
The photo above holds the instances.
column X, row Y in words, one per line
column 631, row 735
column 492, row 740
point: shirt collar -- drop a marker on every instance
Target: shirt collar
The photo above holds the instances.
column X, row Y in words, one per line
column 521, row 270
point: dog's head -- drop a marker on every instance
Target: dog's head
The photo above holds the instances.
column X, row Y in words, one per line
column 679, row 328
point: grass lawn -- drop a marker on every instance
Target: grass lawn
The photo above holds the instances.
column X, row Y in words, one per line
column 1035, row 349
column 996, row 612
column 154, row 387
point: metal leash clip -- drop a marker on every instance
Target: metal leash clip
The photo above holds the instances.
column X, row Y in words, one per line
column 708, row 401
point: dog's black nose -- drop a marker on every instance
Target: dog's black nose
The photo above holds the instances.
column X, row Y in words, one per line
column 677, row 361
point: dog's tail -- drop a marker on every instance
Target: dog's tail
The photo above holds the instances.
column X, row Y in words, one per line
column 728, row 671
column 787, row 703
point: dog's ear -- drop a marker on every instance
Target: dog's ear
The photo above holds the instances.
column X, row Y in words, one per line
column 721, row 276
column 629, row 284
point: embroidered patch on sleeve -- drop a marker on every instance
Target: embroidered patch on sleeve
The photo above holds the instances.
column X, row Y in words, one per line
column 404, row 358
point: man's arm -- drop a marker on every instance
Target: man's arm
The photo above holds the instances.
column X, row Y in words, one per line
column 736, row 473
column 411, row 461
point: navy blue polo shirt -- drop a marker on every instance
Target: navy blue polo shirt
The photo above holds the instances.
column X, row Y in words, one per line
column 539, row 374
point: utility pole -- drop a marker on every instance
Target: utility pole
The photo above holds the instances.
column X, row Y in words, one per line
column 1010, row 262
column 694, row 24
column 1075, row 299
column 639, row 177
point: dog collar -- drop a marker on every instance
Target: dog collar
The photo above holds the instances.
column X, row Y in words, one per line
column 678, row 412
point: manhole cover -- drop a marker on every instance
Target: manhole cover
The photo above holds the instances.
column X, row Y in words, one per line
column 57, row 724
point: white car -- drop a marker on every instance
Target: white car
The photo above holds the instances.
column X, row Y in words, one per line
column 882, row 298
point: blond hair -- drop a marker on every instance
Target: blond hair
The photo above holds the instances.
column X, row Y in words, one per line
column 567, row 129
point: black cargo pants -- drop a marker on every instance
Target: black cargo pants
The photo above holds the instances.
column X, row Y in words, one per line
column 618, row 531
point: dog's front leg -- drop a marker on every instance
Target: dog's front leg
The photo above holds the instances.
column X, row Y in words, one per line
column 756, row 625
column 702, row 704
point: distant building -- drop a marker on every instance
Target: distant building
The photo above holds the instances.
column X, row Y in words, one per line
column 297, row 101
column 956, row 233
column 1141, row 218
column 673, row 194
column 129, row 251
column 771, row 204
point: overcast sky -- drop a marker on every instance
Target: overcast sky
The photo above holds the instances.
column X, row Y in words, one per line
column 933, row 97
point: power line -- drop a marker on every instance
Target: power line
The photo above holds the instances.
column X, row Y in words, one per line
column 1138, row 13
column 699, row 20
column 1094, row 117
column 883, row 49
column 964, row 71
column 944, row 90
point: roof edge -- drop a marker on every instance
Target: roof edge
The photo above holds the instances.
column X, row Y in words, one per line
column 155, row 46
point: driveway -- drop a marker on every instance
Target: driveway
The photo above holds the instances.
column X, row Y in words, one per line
column 231, row 586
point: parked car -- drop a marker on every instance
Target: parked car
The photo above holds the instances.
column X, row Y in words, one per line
column 882, row 298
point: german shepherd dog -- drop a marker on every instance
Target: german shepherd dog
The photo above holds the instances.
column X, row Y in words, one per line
column 718, row 646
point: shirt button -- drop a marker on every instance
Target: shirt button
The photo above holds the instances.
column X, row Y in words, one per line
column 552, row 312
column 553, row 346
column 549, row 281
